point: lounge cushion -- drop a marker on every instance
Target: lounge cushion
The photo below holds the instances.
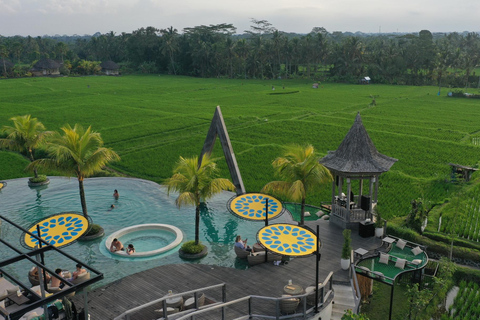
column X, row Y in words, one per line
column 383, row 258
column 31, row 315
column 417, row 261
column 416, row 251
column 13, row 290
column 364, row 269
column 400, row 263
column 401, row 244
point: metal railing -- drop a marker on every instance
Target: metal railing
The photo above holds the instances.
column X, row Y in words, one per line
column 326, row 295
column 127, row 315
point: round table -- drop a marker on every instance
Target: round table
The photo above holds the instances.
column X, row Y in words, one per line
column 257, row 247
column 175, row 302
column 293, row 289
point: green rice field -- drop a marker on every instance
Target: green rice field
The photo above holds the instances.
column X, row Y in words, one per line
column 152, row 120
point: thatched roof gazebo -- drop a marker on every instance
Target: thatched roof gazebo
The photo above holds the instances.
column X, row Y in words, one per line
column 355, row 159
column 110, row 68
column 45, row 67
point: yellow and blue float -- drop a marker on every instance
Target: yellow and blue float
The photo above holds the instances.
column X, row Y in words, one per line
column 252, row 206
column 58, row 230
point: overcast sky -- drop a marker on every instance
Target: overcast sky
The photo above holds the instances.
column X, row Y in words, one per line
column 49, row 17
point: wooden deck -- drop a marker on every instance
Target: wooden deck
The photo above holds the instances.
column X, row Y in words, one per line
column 266, row 279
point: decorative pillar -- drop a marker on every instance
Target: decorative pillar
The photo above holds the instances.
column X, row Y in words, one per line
column 349, row 188
column 372, row 181
column 333, row 188
column 376, row 189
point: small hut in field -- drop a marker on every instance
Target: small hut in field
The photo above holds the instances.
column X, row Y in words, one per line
column 45, row 67
column 5, row 67
column 110, row 68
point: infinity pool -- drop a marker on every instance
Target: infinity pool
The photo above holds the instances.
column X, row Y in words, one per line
column 140, row 202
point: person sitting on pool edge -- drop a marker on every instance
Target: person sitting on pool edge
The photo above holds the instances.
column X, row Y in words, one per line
column 242, row 244
column 34, row 274
column 116, row 245
column 57, row 282
column 79, row 271
column 130, row 249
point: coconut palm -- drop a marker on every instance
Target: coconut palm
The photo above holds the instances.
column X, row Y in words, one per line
column 300, row 172
column 26, row 135
column 196, row 182
column 78, row 152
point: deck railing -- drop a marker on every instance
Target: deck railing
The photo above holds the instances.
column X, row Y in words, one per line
column 348, row 215
column 129, row 314
column 326, row 295
column 247, row 307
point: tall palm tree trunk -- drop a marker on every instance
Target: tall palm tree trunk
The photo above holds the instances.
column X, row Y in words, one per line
column 197, row 223
column 35, row 172
column 82, row 197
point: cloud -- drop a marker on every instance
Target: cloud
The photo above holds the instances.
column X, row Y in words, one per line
column 85, row 6
column 9, row 6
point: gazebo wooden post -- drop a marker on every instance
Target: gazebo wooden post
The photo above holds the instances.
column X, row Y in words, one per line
column 349, row 189
column 370, row 194
column 340, row 186
column 333, row 188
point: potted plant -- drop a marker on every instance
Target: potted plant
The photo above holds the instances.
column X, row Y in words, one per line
column 378, row 225
column 347, row 249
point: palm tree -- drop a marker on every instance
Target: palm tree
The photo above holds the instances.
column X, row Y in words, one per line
column 300, row 171
column 196, row 182
column 26, row 135
column 79, row 153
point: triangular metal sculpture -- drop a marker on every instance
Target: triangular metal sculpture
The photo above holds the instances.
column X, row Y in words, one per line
column 217, row 127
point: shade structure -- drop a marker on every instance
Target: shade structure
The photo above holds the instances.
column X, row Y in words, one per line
column 252, row 206
column 58, row 230
column 288, row 239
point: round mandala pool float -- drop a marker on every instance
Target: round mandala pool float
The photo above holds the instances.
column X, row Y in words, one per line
column 251, row 206
column 58, row 230
column 287, row 239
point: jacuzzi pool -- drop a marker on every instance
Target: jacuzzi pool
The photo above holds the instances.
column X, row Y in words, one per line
column 149, row 239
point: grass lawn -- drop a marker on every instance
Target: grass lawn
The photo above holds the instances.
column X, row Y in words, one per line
column 151, row 120
column 378, row 306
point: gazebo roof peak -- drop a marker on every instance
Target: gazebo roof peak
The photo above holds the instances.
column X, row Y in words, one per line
column 357, row 153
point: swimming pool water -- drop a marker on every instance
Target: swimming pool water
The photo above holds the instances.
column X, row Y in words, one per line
column 140, row 202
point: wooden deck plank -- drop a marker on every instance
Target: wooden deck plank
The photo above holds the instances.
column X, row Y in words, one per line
column 265, row 279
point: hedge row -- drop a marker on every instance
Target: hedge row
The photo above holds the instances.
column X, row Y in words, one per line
column 457, row 241
column 467, row 274
column 433, row 246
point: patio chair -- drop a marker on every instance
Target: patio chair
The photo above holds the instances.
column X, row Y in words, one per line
column 241, row 253
column 310, row 291
column 6, row 287
column 288, row 306
column 170, row 310
column 259, row 257
column 81, row 278
column 190, row 302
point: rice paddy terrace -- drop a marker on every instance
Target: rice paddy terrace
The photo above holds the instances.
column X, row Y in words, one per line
column 152, row 120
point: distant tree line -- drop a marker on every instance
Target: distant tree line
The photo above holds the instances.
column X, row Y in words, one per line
column 263, row 52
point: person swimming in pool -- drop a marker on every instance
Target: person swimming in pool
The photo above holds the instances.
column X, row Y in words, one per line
column 116, row 245
column 115, row 194
column 130, row 249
